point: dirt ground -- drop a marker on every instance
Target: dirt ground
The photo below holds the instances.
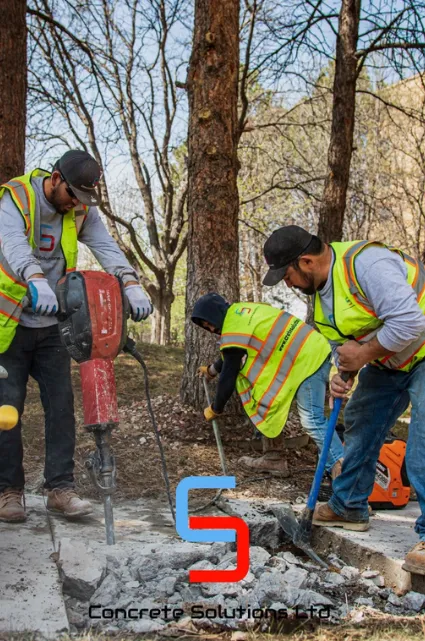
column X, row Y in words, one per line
column 383, row 628
column 188, row 440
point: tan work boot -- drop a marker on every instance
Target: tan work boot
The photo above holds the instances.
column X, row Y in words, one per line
column 415, row 559
column 67, row 502
column 324, row 515
column 272, row 462
column 336, row 470
column 12, row 506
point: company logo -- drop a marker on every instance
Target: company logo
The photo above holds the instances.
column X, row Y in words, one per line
column 201, row 529
column 47, row 241
column 243, row 310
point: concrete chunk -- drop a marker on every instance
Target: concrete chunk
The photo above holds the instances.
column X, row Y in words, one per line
column 81, row 571
column 368, row 601
column 414, row 601
column 350, row 572
column 333, row 578
column 108, row 591
column 264, row 529
column 296, row 577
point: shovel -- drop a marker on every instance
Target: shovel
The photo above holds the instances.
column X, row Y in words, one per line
column 300, row 531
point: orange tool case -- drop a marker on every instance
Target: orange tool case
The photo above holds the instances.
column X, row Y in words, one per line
column 392, row 487
column 391, row 490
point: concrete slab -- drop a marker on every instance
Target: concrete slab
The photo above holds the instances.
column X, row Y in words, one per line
column 383, row 547
column 139, row 525
column 30, row 590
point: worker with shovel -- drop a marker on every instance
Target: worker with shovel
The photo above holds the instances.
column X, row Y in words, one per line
column 42, row 215
column 369, row 302
column 270, row 357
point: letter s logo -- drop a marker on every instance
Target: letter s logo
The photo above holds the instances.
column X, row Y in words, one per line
column 195, row 529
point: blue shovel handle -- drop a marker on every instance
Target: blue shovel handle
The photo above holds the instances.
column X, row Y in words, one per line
column 318, row 475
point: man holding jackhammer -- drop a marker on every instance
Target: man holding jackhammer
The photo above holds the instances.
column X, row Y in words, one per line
column 42, row 215
column 369, row 301
column 271, row 357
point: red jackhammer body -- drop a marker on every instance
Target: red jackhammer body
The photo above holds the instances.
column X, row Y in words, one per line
column 92, row 325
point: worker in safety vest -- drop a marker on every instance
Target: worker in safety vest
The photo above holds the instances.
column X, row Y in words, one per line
column 369, row 302
column 42, row 215
column 270, row 357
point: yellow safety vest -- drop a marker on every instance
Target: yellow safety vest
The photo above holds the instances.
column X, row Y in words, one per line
column 282, row 351
column 13, row 290
column 353, row 316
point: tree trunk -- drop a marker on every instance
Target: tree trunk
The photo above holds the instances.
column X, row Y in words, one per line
column 332, row 207
column 247, row 291
column 257, row 268
column 213, row 202
column 13, row 88
column 162, row 300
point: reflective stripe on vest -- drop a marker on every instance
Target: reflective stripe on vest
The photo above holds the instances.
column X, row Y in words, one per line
column 286, row 364
column 241, row 340
column 276, row 361
column 12, row 290
column 353, row 315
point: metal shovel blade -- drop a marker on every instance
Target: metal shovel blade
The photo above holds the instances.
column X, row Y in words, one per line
column 288, row 522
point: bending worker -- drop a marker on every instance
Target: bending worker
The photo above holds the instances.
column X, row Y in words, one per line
column 42, row 215
column 270, row 357
column 369, row 301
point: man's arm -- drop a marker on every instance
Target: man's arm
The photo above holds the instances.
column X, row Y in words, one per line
column 14, row 243
column 382, row 276
column 232, row 358
column 104, row 248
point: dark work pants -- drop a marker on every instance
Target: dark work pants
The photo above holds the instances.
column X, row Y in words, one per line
column 39, row 353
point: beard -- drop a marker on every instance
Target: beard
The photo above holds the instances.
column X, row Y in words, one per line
column 310, row 289
column 55, row 201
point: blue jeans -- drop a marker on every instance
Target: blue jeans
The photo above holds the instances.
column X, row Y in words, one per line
column 39, row 353
column 380, row 398
column 311, row 403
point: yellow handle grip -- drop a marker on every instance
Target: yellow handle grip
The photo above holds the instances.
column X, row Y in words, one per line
column 8, row 417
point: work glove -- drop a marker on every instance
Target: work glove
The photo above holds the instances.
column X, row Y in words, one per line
column 140, row 304
column 210, row 414
column 43, row 298
column 205, row 371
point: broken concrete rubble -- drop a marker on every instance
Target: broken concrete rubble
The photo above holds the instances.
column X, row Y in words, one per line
column 147, row 593
column 143, row 581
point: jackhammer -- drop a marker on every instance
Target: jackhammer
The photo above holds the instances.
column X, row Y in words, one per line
column 93, row 327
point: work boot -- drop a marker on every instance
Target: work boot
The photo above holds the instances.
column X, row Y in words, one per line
column 324, row 515
column 415, row 559
column 272, row 462
column 12, row 506
column 67, row 502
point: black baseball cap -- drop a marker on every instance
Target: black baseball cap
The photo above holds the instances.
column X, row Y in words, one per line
column 82, row 173
column 281, row 248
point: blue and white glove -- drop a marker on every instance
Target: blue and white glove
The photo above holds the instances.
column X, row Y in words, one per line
column 140, row 304
column 43, row 298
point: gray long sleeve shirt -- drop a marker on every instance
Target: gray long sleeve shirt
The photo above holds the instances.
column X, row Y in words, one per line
column 48, row 257
column 382, row 275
